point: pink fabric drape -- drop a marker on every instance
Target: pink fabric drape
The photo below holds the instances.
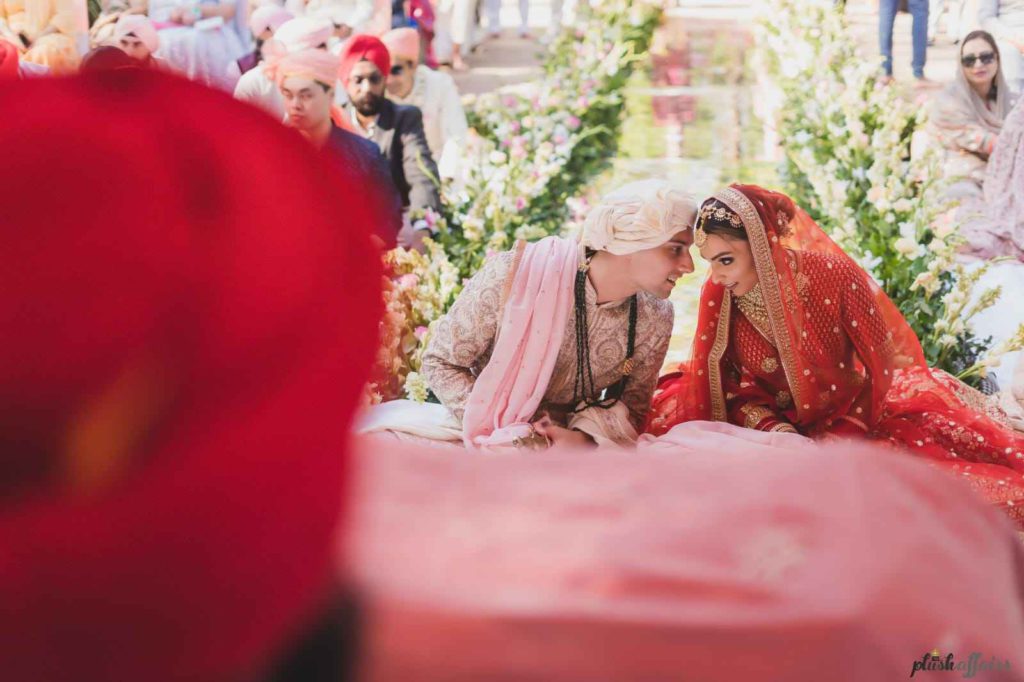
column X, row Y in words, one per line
column 724, row 560
column 509, row 389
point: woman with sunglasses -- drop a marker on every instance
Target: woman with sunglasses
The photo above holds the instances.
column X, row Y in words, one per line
column 967, row 116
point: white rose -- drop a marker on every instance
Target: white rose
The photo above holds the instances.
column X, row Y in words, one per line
column 909, row 248
column 925, row 280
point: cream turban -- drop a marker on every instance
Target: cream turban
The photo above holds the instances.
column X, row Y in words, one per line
column 303, row 33
column 268, row 18
column 140, row 27
column 402, row 43
column 637, row 216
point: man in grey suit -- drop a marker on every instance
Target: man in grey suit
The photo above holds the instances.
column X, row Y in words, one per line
column 397, row 129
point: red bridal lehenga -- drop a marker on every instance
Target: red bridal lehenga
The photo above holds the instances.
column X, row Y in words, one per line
column 818, row 346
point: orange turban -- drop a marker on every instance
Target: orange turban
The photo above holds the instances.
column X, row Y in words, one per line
column 364, row 47
column 8, row 60
column 403, row 42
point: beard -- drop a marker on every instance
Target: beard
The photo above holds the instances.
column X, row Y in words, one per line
column 368, row 106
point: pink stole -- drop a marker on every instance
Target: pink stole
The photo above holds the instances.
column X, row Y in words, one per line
column 510, row 388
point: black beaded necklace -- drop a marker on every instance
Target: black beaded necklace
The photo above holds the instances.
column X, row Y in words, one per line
column 584, row 393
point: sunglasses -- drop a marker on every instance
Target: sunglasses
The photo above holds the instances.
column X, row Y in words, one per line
column 375, row 79
column 986, row 58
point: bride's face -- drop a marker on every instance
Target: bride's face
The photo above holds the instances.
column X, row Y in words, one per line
column 732, row 263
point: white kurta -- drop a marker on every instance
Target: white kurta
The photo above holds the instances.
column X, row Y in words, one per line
column 203, row 54
column 255, row 88
column 444, row 120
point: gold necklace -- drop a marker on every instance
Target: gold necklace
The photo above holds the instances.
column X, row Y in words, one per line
column 752, row 305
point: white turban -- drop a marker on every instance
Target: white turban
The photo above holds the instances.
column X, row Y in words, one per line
column 140, row 27
column 304, row 33
column 637, row 216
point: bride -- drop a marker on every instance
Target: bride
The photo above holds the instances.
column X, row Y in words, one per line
column 793, row 336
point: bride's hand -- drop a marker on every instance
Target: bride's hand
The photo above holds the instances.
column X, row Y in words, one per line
column 559, row 435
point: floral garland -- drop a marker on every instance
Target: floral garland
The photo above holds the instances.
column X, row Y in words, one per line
column 530, row 153
column 847, row 141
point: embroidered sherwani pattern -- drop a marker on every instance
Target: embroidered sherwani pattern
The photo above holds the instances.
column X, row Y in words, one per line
column 462, row 341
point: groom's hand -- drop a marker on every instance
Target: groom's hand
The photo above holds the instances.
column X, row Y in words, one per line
column 559, row 435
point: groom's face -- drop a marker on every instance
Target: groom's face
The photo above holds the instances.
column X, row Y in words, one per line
column 656, row 270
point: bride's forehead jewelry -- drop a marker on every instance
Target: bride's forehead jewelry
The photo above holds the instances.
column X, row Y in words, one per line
column 718, row 213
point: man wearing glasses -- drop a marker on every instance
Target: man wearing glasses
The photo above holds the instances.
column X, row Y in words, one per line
column 397, row 129
column 433, row 92
column 1004, row 19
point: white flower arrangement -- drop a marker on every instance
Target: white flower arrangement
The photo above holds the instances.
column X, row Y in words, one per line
column 848, row 145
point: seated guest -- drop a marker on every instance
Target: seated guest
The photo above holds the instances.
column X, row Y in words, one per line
column 138, row 39
column 202, row 40
column 1004, row 19
column 12, row 67
column 262, row 22
column 301, row 33
column 993, row 224
column 45, row 31
column 397, row 129
column 433, row 92
column 306, row 81
column 102, row 30
column 219, row 312
column 967, row 116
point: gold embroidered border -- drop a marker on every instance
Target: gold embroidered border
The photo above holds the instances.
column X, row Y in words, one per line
column 754, row 415
column 769, row 279
column 718, row 413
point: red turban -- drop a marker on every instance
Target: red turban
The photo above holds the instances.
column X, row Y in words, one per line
column 186, row 335
column 364, row 47
column 8, row 60
column 107, row 58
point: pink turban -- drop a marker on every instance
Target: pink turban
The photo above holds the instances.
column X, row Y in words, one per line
column 364, row 47
column 8, row 60
column 303, row 33
column 403, row 42
column 319, row 65
column 140, row 27
column 268, row 17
